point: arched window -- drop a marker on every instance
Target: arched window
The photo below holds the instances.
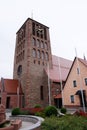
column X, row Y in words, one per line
column 38, row 43
column 19, row 71
column 34, row 53
column 42, row 55
column 34, row 42
column 46, row 46
column 41, row 93
column 42, row 44
column 46, row 56
column 38, row 54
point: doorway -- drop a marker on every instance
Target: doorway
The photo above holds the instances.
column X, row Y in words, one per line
column 8, row 102
column 58, row 102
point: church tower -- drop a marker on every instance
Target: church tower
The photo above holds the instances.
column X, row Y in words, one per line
column 32, row 55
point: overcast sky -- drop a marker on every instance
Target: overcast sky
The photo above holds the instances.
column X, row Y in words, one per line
column 67, row 20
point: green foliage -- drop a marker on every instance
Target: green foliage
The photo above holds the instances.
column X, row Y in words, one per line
column 16, row 111
column 37, row 106
column 50, row 124
column 50, row 110
column 24, row 112
column 67, row 122
column 41, row 114
column 63, row 110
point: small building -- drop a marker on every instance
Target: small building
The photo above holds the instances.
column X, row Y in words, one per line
column 11, row 94
column 75, row 89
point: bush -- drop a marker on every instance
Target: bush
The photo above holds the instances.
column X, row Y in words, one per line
column 41, row 114
column 50, row 124
column 50, row 110
column 37, row 106
column 63, row 110
column 16, row 111
column 65, row 123
column 24, row 112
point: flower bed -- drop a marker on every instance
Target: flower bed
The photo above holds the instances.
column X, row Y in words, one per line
column 81, row 113
column 32, row 111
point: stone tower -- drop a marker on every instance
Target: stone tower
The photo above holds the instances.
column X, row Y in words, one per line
column 32, row 55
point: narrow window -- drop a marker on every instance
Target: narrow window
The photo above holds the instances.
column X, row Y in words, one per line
column 42, row 63
column 42, row 44
column 19, row 70
column 34, row 53
column 46, row 56
column 38, row 43
column 0, row 100
column 38, row 62
column 38, row 54
column 23, row 101
column 42, row 33
column 46, row 46
column 78, row 71
column 33, row 28
column 37, row 31
column 41, row 93
column 45, row 34
column 74, row 83
column 24, row 28
column 42, row 55
column 34, row 61
column 34, row 42
column 72, row 98
column 85, row 81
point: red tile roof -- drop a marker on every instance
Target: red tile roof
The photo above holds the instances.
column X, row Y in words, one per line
column 58, row 96
column 59, row 73
column 10, row 86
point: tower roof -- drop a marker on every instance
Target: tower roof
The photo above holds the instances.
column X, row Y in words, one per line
column 28, row 19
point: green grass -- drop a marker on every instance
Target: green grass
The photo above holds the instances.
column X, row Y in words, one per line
column 67, row 122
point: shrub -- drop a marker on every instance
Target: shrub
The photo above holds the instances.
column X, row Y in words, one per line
column 16, row 111
column 50, row 110
column 37, row 106
column 65, row 123
column 24, row 112
column 50, row 124
column 41, row 114
column 63, row 110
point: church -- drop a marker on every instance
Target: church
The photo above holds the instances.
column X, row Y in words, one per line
column 38, row 76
